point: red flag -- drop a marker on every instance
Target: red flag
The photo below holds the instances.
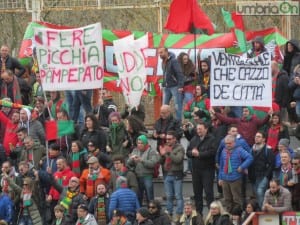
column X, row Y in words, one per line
column 186, row 14
column 238, row 21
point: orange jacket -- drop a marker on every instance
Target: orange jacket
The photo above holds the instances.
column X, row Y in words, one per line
column 89, row 186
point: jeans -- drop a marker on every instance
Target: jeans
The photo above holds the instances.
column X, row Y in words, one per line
column 203, row 179
column 260, row 187
column 145, row 185
column 70, row 97
column 25, row 220
column 167, row 95
column 188, row 96
column 173, row 187
column 82, row 98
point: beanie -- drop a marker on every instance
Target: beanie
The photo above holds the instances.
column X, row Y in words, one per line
column 143, row 139
column 285, row 142
column 144, row 212
column 121, row 182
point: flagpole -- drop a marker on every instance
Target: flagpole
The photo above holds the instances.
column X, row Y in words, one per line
column 47, row 145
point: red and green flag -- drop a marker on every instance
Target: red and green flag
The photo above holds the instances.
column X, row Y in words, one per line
column 235, row 22
column 186, row 15
column 58, row 128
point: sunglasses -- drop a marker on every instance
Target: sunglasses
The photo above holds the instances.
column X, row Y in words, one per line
column 151, row 207
column 90, row 145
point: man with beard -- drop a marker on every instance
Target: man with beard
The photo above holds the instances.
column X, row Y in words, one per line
column 277, row 199
column 258, row 47
column 260, row 172
column 172, row 80
column 99, row 205
column 204, row 75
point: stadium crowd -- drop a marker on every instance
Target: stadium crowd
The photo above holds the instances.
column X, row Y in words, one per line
column 103, row 172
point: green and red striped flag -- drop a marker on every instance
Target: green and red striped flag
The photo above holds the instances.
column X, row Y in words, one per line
column 235, row 22
column 58, row 128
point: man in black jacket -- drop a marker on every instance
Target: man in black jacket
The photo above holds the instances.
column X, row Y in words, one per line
column 8, row 62
column 202, row 150
column 260, row 172
column 172, row 80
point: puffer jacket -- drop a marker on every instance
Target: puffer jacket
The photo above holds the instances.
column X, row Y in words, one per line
column 238, row 158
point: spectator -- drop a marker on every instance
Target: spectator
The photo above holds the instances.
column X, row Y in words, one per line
column 62, row 176
column 37, row 89
column 204, row 75
column 143, row 160
column 157, row 215
column 120, row 169
column 258, row 47
column 84, row 217
column 284, row 172
column 217, row 215
column 93, row 176
column 281, row 93
column 190, row 216
column 234, row 160
column 78, row 158
column 60, row 219
column 92, row 132
column 172, row 155
column 56, row 104
column 142, row 217
column 200, row 102
column 50, row 161
column 251, row 207
column 294, row 86
column 202, row 150
column 247, row 125
column 165, row 123
column 294, row 183
column 70, row 197
column 99, row 205
column 10, row 138
column 276, row 131
column 125, row 199
column 135, row 127
column 34, row 127
column 119, row 218
column 103, row 158
column 172, row 80
column 43, row 113
column 10, row 87
column 277, row 199
column 105, row 106
column 291, row 56
column 10, row 63
column 190, row 76
column 6, row 208
column 283, row 145
column 29, row 201
column 32, row 152
column 260, row 172
column 117, row 142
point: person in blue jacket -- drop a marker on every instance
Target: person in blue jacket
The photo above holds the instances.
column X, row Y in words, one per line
column 6, row 208
column 124, row 199
column 234, row 161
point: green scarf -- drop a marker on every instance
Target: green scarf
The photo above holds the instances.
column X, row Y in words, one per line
column 67, row 200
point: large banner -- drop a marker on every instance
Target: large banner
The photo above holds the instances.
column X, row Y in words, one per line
column 239, row 81
column 131, row 61
column 176, row 43
column 70, row 59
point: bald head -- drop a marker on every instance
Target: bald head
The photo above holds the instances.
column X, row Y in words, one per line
column 165, row 111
